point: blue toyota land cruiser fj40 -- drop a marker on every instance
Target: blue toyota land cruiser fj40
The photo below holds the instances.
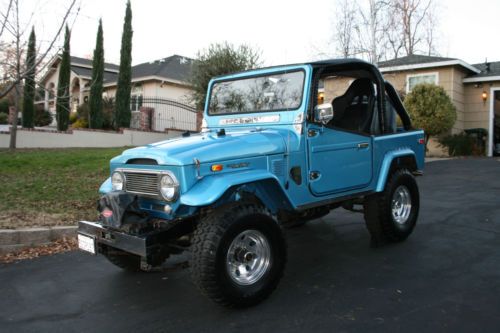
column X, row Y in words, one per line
column 279, row 146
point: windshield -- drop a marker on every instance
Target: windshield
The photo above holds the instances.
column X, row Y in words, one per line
column 273, row 92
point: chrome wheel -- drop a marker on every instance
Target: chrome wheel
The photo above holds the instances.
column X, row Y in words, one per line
column 248, row 257
column 401, row 204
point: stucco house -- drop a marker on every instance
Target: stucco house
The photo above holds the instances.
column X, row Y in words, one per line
column 473, row 88
column 165, row 78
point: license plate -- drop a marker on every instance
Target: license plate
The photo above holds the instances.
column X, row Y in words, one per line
column 86, row 243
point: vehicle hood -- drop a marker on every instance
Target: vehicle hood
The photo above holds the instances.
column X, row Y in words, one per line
column 209, row 147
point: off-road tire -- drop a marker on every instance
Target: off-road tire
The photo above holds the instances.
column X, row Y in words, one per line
column 210, row 245
column 126, row 261
column 378, row 214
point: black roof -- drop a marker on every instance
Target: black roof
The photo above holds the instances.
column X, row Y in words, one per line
column 175, row 67
column 88, row 62
column 413, row 59
column 487, row 69
column 87, row 72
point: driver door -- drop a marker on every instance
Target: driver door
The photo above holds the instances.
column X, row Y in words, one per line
column 338, row 160
column 340, row 151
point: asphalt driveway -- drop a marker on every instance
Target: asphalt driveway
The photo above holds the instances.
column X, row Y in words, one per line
column 445, row 277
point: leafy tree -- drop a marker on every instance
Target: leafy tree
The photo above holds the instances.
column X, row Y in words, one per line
column 29, row 83
column 95, row 98
column 62, row 102
column 122, row 106
column 431, row 109
column 219, row 59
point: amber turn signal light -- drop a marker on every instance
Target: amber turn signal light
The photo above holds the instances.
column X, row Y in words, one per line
column 216, row 167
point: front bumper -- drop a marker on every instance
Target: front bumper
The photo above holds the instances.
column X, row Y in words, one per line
column 140, row 245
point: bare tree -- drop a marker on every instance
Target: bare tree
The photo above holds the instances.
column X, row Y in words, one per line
column 346, row 25
column 393, row 34
column 4, row 17
column 372, row 37
column 431, row 23
column 415, row 20
column 13, row 33
column 378, row 29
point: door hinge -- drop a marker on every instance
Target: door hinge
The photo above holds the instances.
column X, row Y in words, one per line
column 311, row 133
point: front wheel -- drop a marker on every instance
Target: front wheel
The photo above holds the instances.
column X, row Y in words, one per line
column 391, row 215
column 238, row 255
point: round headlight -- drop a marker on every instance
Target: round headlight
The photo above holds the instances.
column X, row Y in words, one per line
column 168, row 187
column 117, row 181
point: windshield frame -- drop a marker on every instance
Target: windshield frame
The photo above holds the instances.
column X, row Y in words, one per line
column 286, row 71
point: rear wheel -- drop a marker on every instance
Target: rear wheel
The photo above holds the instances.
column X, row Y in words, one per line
column 391, row 215
column 238, row 255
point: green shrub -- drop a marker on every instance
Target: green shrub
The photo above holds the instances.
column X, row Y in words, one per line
column 83, row 111
column 430, row 109
column 4, row 105
column 4, row 118
column 42, row 118
column 80, row 123
column 108, row 113
column 460, row 145
column 73, row 116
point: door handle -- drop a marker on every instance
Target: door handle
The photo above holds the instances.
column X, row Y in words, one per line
column 363, row 145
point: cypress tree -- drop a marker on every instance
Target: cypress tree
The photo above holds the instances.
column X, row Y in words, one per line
column 62, row 102
column 29, row 83
column 95, row 99
column 122, row 102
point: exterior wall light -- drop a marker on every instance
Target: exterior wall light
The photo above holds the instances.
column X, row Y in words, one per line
column 484, row 96
column 321, row 98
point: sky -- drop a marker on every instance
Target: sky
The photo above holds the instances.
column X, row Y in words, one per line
column 283, row 31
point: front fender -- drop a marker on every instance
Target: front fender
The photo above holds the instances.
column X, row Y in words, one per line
column 210, row 189
column 386, row 165
column 106, row 186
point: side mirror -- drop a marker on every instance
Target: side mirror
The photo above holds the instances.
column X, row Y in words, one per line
column 323, row 113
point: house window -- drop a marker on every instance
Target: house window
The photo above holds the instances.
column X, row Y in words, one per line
column 135, row 102
column 413, row 80
column 136, row 98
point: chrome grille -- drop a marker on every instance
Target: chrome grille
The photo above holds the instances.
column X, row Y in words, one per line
column 142, row 183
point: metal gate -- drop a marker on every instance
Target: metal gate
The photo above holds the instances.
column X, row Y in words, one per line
column 171, row 114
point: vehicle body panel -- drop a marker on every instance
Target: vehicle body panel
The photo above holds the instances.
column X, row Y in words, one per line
column 265, row 147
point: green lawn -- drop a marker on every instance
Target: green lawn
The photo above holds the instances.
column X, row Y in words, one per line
column 51, row 186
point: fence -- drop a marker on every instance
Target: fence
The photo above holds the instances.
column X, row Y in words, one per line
column 168, row 114
column 84, row 138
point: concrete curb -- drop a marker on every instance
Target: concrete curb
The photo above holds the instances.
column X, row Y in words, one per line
column 18, row 239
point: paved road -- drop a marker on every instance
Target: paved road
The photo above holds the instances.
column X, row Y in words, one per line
column 446, row 277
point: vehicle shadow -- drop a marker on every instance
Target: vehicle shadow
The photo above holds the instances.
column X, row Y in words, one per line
column 330, row 266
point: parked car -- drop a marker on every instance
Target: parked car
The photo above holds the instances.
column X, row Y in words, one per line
column 270, row 156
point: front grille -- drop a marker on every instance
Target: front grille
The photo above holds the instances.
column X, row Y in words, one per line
column 142, row 183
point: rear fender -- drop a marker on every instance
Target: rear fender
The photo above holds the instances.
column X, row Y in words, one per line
column 225, row 188
column 394, row 159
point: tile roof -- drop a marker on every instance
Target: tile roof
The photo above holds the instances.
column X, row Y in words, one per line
column 109, row 76
column 175, row 67
column 88, row 62
column 487, row 69
column 412, row 60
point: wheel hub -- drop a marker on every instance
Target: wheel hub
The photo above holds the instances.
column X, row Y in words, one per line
column 401, row 204
column 248, row 257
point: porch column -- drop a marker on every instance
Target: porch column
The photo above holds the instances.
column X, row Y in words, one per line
column 46, row 100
